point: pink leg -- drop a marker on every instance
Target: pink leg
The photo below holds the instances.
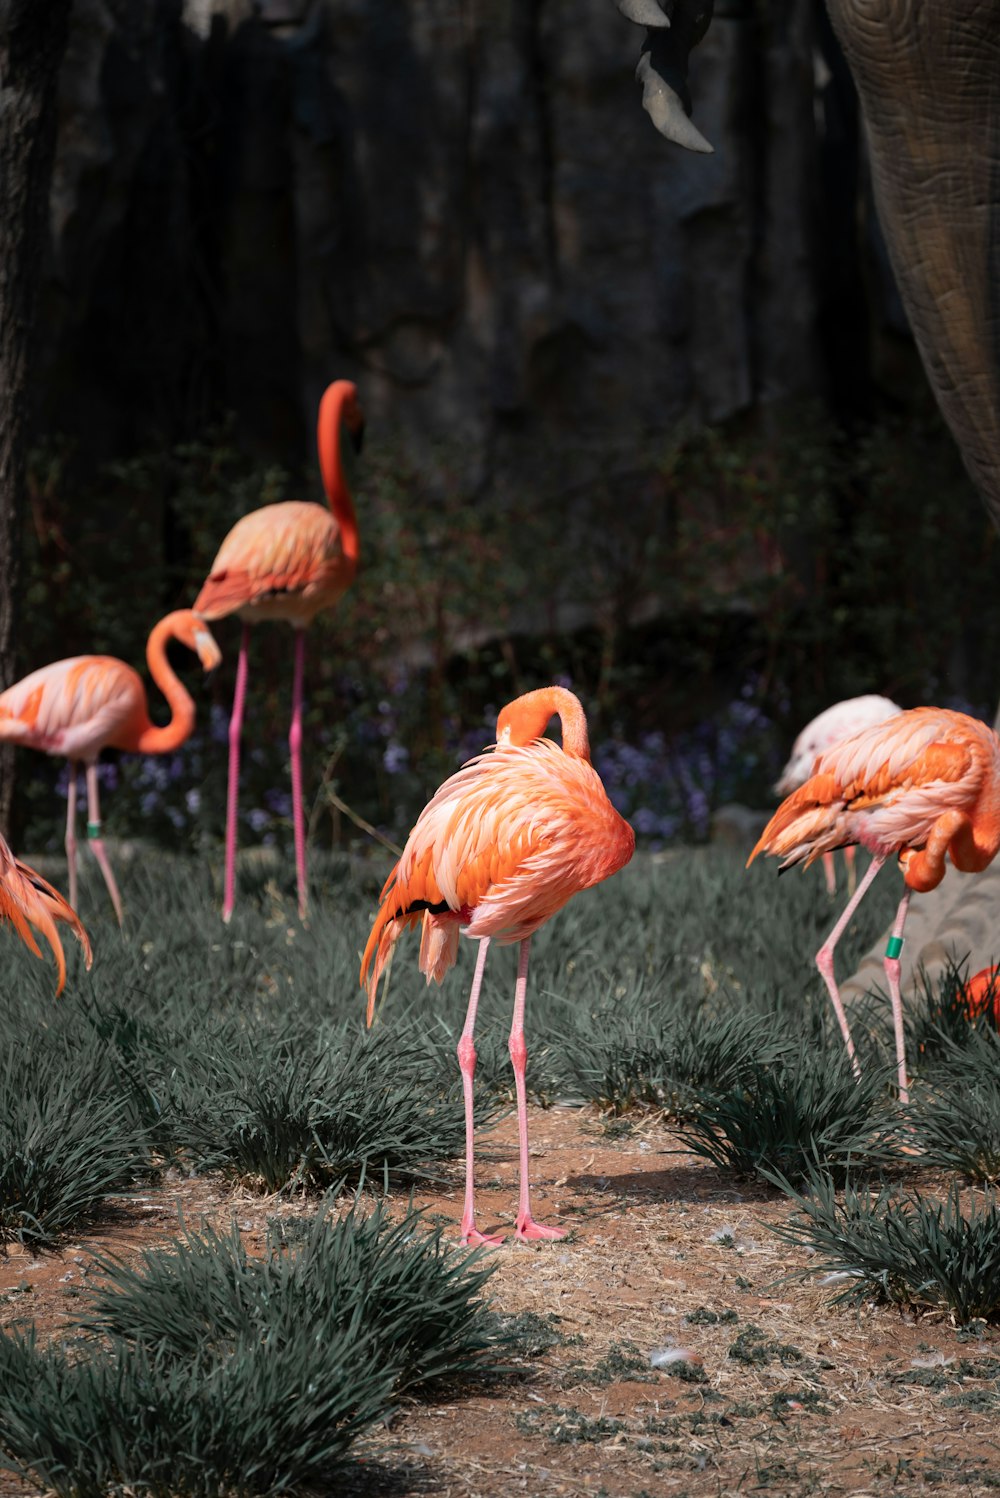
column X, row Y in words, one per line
column 824, row 958
column 71, row 830
column 295, row 748
column 95, row 841
column 850, row 855
column 527, row 1228
column 467, row 1061
column 892, row 966
column 830, row 873
column 233, row 791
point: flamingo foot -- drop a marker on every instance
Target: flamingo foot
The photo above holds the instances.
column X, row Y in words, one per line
column 530, row 1231
column 473, row 1238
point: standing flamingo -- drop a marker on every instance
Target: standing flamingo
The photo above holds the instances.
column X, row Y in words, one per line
column 27, row 900
column 78, row 706
column 500, row 847
column 922, row 785
column 287, row 561
column 837, row 722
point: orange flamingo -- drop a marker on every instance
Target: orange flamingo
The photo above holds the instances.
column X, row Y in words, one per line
column 287, row 561
column 27, row 900
column 822, row 732
column 500, row 847
column 982, row 992
column 923, row 785
column 78, row 706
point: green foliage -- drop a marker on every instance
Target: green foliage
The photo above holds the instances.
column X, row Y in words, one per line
column 956, row 1120
column 418, row 1300
column 751, row 578
column 911, row 1250
column 68, row 1139
column 267, row 1419
column 939, row 1023
column 807, row 1112
column 220, row 1372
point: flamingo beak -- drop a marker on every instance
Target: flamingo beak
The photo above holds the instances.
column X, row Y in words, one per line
column 208, row 651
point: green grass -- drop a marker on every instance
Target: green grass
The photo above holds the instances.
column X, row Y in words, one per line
column 242, row 1049
column 207, row 1370
column 418, row 1298
column 902, row 1247
column 806, row 1112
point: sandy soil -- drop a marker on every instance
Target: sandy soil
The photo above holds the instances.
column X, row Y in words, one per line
column 783, row 1393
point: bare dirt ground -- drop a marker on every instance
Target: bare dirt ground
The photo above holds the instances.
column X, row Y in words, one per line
column 784, row 1394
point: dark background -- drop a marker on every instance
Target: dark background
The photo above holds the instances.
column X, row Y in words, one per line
column 646, row 422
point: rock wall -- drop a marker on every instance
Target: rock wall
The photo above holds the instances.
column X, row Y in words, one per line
column 458, row 203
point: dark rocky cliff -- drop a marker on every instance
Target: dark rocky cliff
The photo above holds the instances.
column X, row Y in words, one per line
column 460, row 204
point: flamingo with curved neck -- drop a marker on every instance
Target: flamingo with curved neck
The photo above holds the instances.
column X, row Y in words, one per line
column 498, row 849
column 77, row 707
column 287, row 561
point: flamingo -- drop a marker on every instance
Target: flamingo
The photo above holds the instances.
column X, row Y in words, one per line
column 923, row 785
column 500, row 847
column 287, row 561
column 27, row 900
column 78, row 706
column 982, row 991
column 822, row 732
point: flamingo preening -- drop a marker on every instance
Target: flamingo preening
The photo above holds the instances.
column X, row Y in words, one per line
column 922, row 786
column 79, row 706
column 821, row 733
column 500, row 847
column 287, row 561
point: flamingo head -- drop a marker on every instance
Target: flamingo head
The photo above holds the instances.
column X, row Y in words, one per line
column 190, row 628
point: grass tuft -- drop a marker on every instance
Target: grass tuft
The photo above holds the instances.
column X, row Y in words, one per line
column 67, row 1142
column 908, row 1250
column 956, row 1121
column 267, row 1419
column 210, row 1371
column 805, row 1112
column 418, row 1299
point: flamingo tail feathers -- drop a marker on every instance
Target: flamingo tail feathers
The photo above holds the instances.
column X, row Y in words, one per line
column 805, row 823
column 32, row 902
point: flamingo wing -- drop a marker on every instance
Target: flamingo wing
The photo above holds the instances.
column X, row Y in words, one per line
column 884, row 787
column 288, row 548
column 72, row 707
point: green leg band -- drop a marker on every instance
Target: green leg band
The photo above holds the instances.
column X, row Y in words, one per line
column 894, row 946
column 93, row 830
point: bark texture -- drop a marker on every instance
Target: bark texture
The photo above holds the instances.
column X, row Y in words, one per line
column 32, row 42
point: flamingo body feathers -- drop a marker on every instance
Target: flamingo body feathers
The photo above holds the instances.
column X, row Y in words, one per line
column 74, row 707
column 283, row 561
column 499, row 849
column 80, row 705
column 841, row 721
column 899, row 787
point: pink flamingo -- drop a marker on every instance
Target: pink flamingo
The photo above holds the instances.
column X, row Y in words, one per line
column 500, row 847
column 79, row 706
column 833, row 724
column 287, row 561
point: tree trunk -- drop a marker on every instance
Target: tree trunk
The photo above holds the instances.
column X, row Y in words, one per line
column 32, row 42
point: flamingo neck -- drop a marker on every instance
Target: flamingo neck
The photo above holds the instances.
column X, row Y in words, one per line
column 526, row 719
column 150, row 739
column 328, row 430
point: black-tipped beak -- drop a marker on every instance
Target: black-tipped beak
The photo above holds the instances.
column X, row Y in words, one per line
column 358, row 437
